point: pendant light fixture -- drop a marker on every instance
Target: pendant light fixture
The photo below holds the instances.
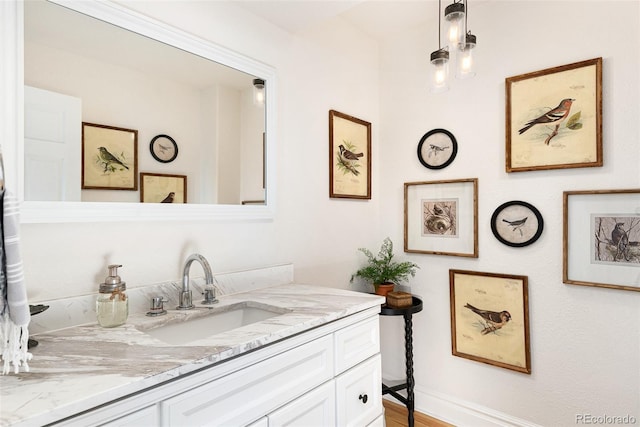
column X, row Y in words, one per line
column 258, row 92
column 461, row 44
column 440, row 61
column 455, row 15
column 465, row 67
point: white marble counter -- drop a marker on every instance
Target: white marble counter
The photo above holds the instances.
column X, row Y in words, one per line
column 80, row 367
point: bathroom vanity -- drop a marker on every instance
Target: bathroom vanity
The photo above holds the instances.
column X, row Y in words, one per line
column 314, row 361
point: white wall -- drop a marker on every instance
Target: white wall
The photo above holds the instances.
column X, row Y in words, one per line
column 585, row 345
column 584, row 341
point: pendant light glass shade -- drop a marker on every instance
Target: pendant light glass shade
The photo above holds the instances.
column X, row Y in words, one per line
column 454, row 15
column 465, row 67
column 258, row 92
column 439, row 71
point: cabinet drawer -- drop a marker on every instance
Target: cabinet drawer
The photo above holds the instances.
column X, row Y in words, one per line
column 359, row 394
column 315, row 409
column 143, row 417
column 244, row 396
column 357, row 343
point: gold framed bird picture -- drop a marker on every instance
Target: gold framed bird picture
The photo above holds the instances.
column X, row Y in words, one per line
column 109, row 157
column 554, row 118
column 490, row 318
column 163, row 188
column 349, row 157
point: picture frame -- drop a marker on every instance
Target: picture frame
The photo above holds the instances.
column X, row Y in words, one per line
column 163, row 188
column 349, row 157
column 163, row 148
column 490, row 319
column 517, row 223
column 109, row 157
column 437, row 149
column 554, row 118
column 441, row 217
column 601, row 238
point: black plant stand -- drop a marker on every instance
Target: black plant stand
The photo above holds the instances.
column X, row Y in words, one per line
column 407, row 313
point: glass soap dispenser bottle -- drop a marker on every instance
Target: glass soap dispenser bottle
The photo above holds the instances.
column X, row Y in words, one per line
column 112, row 305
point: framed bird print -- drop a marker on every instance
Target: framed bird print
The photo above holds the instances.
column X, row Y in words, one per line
column 349, row 157
column 601, row 238
column 437, row 149
column 163, row 188
column 517, row 223
column 441, row 217
column 554, row 118
column 163, row 148
column 109, row 157
column 490, row 319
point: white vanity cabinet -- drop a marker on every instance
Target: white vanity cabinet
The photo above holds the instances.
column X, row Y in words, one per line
column 330, row 375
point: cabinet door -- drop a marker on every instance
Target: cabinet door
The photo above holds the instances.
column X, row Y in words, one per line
column 244, row 396
column 359, row 394
column 315, row 409
column 143, row 417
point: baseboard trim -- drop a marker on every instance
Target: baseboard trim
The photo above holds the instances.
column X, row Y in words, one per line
column 460, row 412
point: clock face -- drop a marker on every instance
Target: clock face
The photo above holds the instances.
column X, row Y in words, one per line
column 163, row 148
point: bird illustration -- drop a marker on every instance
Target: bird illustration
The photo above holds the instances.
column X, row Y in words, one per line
column 494, row 320
column 435, row 150
column 108, row 158
column 517, row 224
column 555, row 115
column 169, row 198
column 163, row 148
column 620, row 239
column 349, row 155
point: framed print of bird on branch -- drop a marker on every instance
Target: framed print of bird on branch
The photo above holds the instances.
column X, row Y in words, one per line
column 554, row 118
column 490, row 319
column 601, row 245
column 517, row 223
column 349, row 157
column 109, row 157
column 163, row 188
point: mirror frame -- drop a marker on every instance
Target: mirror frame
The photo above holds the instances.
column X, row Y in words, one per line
column 12, row 121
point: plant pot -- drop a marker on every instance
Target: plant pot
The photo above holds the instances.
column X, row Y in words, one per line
column 384, row 288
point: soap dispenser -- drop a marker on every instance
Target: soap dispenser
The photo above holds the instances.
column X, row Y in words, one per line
column 112, row 305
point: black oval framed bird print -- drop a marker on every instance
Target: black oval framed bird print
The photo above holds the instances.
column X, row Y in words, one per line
column 517, row 223
column 437, row 149
column 163, row 148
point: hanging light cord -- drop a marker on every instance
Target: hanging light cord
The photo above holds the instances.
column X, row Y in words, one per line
column 466, row 14
column 439, row 31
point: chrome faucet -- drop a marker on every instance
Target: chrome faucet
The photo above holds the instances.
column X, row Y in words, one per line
column 186, row 300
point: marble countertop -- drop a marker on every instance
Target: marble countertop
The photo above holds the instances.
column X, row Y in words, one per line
column 80, row 367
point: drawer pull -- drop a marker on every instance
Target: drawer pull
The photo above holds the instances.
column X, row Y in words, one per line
column 363, row 397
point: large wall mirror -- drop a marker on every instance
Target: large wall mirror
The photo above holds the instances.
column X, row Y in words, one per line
column 112, row 97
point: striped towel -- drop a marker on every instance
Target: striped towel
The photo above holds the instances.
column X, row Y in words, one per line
column 14, row 306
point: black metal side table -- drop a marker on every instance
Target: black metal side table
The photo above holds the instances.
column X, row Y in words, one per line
column 407, row 313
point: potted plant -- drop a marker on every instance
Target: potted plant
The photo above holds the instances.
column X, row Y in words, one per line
column 382, row 271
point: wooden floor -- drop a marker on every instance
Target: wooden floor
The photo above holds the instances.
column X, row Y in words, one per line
column 395, row 415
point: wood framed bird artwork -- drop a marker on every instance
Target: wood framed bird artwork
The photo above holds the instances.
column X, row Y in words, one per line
column 554, row 118
column 109, row 157
column 490, row 318
column 349, row 157
column 601, row 238
column 163, row 188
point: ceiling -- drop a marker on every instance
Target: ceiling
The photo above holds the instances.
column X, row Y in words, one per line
column 376, row 18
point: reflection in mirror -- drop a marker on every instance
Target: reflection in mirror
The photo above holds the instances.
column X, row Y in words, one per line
column 194, row 117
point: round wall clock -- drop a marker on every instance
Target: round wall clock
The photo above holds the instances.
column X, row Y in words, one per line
column 437, row 149
column 516, row 223
column 163, row 148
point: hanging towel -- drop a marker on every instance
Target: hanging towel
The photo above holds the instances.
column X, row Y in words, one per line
column 14, row 306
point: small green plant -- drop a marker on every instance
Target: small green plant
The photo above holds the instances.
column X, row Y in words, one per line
column 382, row 269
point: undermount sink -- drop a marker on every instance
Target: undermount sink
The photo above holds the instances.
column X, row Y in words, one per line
column 224, row 319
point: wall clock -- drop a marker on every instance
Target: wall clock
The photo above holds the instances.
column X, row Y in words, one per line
column 163, row 148
column 437, row 149
column 516, row 223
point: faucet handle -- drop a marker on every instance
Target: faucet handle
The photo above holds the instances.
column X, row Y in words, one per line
column 209, row 295
column 157, row 306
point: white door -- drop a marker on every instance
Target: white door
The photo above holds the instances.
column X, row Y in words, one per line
column 52, row 150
